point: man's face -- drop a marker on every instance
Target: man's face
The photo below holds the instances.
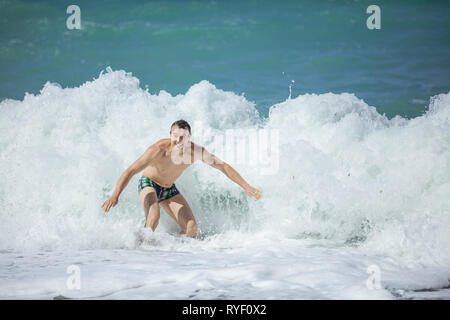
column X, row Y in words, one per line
column 179, row 138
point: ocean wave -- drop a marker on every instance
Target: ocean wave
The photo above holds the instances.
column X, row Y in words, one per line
column 345, row 174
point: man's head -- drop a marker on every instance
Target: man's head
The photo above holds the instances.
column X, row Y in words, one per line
column 180, row 134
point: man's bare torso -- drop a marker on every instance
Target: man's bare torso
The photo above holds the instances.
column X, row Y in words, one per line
column 165, row 168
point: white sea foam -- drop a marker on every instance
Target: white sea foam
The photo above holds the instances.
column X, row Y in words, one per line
column 347, row 178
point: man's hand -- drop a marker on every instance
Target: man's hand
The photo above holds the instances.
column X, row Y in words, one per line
column 111, row 202
column 253, row 192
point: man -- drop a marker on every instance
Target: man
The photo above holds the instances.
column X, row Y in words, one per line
column 162, row 163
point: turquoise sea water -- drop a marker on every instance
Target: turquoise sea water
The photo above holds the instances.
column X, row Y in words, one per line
column 258, row 48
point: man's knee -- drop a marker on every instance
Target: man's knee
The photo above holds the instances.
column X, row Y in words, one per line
column 152, row 218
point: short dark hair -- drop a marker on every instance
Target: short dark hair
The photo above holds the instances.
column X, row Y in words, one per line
column 182, row 124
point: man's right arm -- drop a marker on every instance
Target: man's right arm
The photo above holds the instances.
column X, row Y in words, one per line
column 126, row 176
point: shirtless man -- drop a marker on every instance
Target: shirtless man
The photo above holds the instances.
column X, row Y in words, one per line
column 162, row 163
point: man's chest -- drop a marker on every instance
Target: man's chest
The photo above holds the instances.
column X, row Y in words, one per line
column 170, row 166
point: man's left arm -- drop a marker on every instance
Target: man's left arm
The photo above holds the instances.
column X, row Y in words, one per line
column 228, row 170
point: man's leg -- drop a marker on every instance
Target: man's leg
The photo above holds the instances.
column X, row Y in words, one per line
column 150, row 204
column 178, row 208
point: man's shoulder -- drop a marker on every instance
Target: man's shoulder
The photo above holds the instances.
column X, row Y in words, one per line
column 162, row 142
column 159, row 146
column 195, row 147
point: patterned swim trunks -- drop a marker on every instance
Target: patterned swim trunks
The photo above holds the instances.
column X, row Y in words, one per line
column 162, row 192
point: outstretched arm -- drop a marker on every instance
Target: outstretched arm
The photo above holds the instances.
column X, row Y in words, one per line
column 126, row 176
column 228, row 170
